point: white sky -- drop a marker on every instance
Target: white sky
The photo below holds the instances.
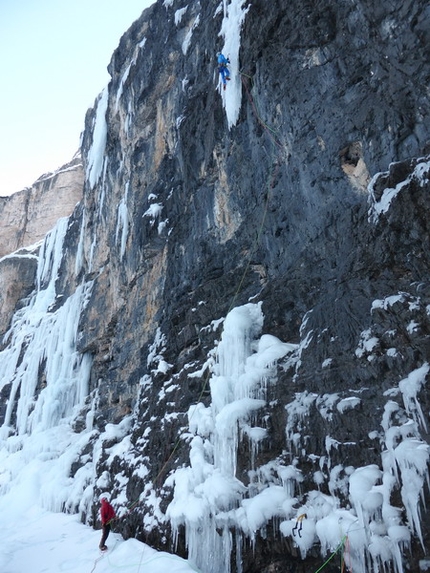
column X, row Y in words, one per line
column 53, row 59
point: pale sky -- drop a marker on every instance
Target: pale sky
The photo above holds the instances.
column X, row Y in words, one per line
column 53, row 60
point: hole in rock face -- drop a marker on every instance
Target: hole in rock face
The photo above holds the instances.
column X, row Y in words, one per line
column 353, row 165
column 351, row 155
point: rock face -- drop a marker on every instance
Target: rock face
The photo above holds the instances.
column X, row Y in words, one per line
column 28, row 215
column 17, row 277
column 299, row 196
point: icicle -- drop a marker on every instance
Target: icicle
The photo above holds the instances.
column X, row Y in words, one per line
column 413, row 457
column 410, row 387
column 50, row 259
column 42, row 338
column 41, row 349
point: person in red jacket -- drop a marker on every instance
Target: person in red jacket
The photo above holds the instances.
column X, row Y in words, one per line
column 107, row 514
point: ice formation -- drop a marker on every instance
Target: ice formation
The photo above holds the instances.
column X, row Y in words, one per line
column 216, row 508
column 234, row 16
column 36, row 438
column 96, row 152
column 207, row 495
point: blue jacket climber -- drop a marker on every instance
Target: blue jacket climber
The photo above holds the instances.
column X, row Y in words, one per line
column 223, row 69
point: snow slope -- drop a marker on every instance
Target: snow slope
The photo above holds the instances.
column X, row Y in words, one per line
column 44, row 542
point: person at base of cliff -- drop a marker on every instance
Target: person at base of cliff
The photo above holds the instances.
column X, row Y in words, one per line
column 223, row 69
column 107, row 514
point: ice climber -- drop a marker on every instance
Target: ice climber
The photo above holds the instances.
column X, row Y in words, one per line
column 223, row 69
column 107, row 514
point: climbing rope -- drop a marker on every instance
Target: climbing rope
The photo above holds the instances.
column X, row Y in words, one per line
column 274, row 135
column 95, row 563
column 101, row 557
column 335, row 552
column 275, row 139
column 140, row 562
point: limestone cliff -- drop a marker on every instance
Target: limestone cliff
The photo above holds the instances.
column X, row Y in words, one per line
column 271, row 238
column 28, row 215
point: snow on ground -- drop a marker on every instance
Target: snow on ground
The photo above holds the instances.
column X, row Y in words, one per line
column 36, row 454
column 43, row 542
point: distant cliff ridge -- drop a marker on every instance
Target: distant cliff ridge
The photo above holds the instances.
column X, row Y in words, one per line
column 231, row 331
column 28, row 215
